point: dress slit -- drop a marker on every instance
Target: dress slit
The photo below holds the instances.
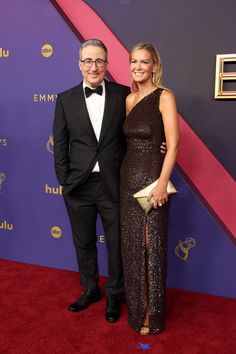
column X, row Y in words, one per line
column 146, row 289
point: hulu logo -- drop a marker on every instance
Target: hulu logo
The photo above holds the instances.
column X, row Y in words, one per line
column 5, row 226
column 53, row 190
column 4, row 53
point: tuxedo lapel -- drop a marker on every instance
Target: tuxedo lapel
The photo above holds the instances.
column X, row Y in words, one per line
column 79, row 105
column 108, row 109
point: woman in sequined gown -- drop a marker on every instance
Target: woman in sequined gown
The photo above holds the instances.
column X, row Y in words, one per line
column 151, row 119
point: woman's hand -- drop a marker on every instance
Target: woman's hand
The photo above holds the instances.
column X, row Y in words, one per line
column 158, row 196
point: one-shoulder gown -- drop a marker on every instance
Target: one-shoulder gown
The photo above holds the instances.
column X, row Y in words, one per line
column 144, row 131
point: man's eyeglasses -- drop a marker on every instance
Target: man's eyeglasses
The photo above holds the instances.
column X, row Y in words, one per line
column 89, row 62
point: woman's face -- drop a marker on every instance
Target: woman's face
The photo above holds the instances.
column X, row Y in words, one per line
column 142, row 66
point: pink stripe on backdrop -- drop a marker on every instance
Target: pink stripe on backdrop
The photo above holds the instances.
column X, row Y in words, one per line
column 90, row 25
column 206, row 173
column 210, row 178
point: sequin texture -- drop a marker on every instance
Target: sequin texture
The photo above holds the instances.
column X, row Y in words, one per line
column 142, row 164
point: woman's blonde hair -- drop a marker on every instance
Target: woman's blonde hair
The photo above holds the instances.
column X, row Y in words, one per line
column 157, row 75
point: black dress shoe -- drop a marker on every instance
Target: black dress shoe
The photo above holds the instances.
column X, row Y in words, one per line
column 87, row 298
column 113, row 308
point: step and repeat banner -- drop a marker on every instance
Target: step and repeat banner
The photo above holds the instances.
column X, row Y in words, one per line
column 39, row 48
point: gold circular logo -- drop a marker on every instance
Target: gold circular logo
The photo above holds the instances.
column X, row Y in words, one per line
column 46, row 50
column 56, row 232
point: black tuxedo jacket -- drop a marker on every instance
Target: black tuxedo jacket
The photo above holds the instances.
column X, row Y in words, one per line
column 76, row 148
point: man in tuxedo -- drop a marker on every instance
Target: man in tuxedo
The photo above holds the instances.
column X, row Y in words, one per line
column 88, row 149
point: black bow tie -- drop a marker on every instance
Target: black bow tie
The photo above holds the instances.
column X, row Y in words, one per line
column 89, row 91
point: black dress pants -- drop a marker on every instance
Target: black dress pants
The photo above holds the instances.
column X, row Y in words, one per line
column 83, row 206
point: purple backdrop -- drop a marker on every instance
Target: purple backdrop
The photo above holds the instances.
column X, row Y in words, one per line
column 201, row 255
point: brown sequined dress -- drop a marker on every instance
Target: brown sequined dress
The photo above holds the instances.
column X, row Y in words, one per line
column 142, row 164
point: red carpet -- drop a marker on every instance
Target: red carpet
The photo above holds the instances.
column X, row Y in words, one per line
column 34, row 319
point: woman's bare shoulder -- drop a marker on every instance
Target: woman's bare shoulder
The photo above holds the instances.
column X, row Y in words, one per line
column 130, row 97
column 130, row 101
column 167, row 95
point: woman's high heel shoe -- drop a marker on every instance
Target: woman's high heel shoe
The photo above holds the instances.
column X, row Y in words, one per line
column 144, row 330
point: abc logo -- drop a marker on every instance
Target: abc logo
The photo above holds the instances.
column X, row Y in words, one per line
column 46, row 50
column 56, row 232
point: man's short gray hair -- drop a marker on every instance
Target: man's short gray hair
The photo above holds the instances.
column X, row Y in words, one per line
column 95, row 43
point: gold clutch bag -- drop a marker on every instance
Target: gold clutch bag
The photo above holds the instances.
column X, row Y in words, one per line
column 142, row 195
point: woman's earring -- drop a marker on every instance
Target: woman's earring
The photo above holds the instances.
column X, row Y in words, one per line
column 153, row 74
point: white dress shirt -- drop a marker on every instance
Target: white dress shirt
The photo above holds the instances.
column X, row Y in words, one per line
column 95, row 105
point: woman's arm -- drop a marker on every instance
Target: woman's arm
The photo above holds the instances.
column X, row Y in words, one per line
column 171, row 126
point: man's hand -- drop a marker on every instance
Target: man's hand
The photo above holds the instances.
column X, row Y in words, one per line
column 163, row 147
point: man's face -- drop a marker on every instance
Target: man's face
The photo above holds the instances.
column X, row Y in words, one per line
column 94, row 74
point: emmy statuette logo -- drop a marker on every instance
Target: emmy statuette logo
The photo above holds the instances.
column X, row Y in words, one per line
column 46, row 50
column 5, row 226
column 4, row 53
column 183, row 248
column 50, row 144
column 56, row 232
column 2, row 180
